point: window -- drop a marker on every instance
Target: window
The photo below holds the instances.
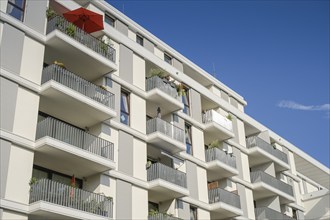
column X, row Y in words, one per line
column 124, row 108
column 139, row 40
column 110, row 20
column 188, row 138
column 186, row 101
column 193, row 213
column 168, row 58
column 43, row 173
column 16, row 9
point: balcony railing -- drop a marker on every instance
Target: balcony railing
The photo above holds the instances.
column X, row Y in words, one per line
column 64, row 195
column 69, row 79
column 78, row 138
column 161, row 171
column 267, row 213
column 221, row 195
column 217, row 154
column 163, row 85
column 159, row 125
column 66, row 27
column 213, row 116
column 258, row 142
column 161, row 216
column 260, row 176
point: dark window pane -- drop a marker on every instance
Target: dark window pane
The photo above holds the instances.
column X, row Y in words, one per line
column 15, row 12
column 109, row 20
column 139, row 40
column 124, row 118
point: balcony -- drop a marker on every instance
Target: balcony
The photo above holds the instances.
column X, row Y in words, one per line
column 161, row 216
column 166, row 183
column 265, row 185
column 160, row 93
column 165, row 135
column 54, row 200
column 267, row 213
column 78, row 152
column 81, row 52
column 71, row 98
column 262, row 152
column 217, row 127
column 219, row 164
column 224, row 204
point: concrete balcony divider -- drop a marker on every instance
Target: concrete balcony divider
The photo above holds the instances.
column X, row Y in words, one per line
column 163, row 85
column 267, row 213
column 69, row 79
column 66, row 27
column 221, row 195
column 159, row 125
column 161, row 216
column 213, row 116
column 60, row 194
column 258, row 142
column 78, row 138
column 260, row 176
column 217, row 154
column 161, row 171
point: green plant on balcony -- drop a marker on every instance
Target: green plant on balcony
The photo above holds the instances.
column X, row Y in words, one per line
column 32, row 181
column 157, row 72
column 153, row 212
column 70, row 30
column 180, row 89
column 214, row 144
column 104, row 47
column 50, row 13
column 229, row 117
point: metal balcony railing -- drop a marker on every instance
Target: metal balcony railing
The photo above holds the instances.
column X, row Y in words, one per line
column 78, row 138
column 64, row 195
column 161, row 171
column 267, row 213
column 217, row 154
column 163, row 85
column 260, row 176
column 221, row 195
column 69, row 79
column 68, row 28
column 159, row 125
column 258, row 142
column 213, row 116
column 161, row 216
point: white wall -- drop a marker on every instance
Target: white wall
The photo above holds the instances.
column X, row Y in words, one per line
column 26, row 113
column 202, row 184
column 203, row 214
column 159, row 53
column 138, row 113
column 318, row 208
column 139, row 203
column 198, row 143
column 9, row 215
column 19, row 174
column 139, row 72
column 140, row 159
column 131, row 35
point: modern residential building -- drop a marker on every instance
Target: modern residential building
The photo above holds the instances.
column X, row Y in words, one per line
column 115, row 124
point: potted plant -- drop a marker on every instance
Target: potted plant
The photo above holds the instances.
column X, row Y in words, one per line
column 214, row 144
column 70, row 30
column 50, row 13
column 180, row 89
column 157, row 72
column 33, row 181
column 229, row 117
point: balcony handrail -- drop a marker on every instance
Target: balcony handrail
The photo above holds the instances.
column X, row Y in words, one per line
column 267, row 213
column 161, row 171
column 61, row 24
column 255, row 141
column 221, row 195
column 69, row 79
column 260, row 176
column 163, row 85
column 68, row 196
column 162, row 216
column 159, row 125
column 217, row 154
column 61, row 131
column 213, row 116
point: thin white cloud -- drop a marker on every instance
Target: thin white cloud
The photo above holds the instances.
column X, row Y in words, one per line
column 296, row 106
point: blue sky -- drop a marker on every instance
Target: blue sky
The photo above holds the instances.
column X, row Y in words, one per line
column 273, row 53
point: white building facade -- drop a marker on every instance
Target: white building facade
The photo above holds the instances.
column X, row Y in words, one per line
column 118, row 125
